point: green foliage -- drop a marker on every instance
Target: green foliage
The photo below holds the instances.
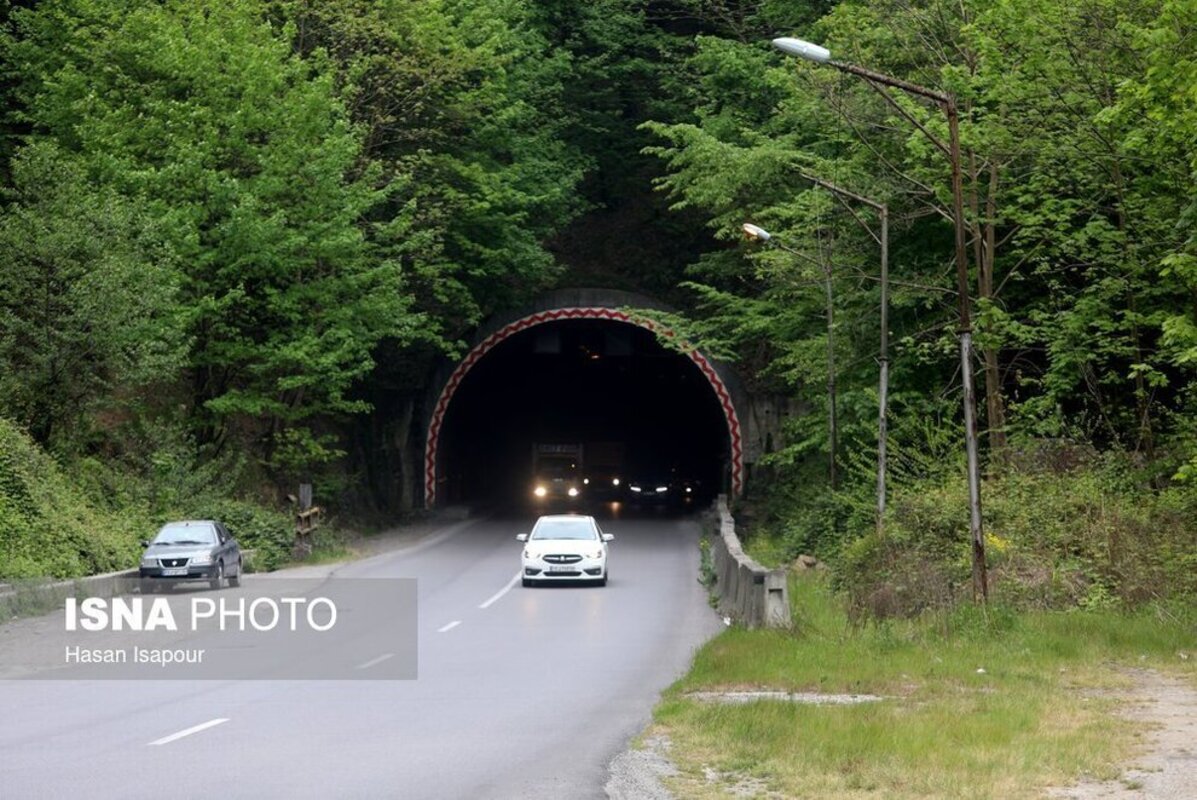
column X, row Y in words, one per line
column 1077, row 128
column 48, row 527
column 268, row 533
column 245, row 156
column 461, row 110
column 88, row 311
column 91, row 518
column 1065, row 527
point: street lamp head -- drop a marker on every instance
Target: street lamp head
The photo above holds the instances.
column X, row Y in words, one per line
column 755, row 232
column 797, row 47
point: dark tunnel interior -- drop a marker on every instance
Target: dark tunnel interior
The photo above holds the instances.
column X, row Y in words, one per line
column 640, row 424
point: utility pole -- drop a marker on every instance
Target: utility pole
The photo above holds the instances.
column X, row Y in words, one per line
column 947, row 104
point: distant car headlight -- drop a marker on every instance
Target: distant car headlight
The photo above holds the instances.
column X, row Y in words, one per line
column 615, row 481
column 201, row 558
column 541, row 491
column 573, row 491
column 662, row 489
column 586, row 481
column 634, row 488
column 688, row 490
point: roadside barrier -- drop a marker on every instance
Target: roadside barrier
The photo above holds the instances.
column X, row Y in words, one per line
column 747, row 592
column 32, row 597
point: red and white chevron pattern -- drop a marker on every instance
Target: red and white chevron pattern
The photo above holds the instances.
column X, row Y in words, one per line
column 482, row 348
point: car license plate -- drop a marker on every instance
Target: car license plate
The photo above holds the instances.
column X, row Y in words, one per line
column 563, row 568
column 167, row 573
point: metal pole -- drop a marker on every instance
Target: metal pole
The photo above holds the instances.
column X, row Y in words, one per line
column 948, row 103
column 980, row 579
column 831, row 416
column 883, row 388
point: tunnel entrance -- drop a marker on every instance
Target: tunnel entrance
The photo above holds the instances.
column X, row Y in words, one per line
column 586, row 397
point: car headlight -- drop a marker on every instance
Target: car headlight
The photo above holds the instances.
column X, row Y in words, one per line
column 527, row 554
column 573, row 491
column 201, row 558
column 634, row 488
column 149, row 561
column 541, row 491
column 662, row 489
column 597, row 554
column 615, row 481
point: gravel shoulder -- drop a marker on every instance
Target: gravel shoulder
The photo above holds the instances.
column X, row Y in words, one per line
column 1166, row 768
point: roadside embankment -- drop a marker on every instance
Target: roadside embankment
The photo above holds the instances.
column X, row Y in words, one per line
column 976, row 702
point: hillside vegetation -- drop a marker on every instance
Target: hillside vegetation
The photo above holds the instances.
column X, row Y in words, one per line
column 90, row 519
column 238, row 237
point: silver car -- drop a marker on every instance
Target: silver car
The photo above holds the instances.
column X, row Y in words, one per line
column 192, row 550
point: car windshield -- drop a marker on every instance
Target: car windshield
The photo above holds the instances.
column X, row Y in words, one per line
column 186, row 534
column 564, row 529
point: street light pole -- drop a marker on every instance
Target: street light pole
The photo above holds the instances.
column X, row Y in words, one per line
column 882, row 239
column 947, row 103
column 758, row 233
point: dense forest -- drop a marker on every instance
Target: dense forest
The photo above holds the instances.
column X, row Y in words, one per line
column 237, row 236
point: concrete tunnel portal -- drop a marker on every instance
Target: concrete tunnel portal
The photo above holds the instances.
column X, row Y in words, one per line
column 594, row 376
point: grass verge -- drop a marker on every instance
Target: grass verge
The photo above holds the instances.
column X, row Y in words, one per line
column 978, row 704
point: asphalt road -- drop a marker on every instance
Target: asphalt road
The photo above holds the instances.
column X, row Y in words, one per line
column 522, row 693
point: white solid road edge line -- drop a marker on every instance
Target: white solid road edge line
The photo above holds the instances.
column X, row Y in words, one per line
column 376, row 661
column 203, row 726
column 449, row 627
column 501, row 592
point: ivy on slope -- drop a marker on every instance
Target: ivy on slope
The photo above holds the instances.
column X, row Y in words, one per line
column 51, row 526
column 47, row 526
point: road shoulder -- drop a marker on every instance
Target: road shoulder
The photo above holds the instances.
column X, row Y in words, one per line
column 1166, row 768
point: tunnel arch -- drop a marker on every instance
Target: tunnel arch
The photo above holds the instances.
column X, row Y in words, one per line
column 572, row 305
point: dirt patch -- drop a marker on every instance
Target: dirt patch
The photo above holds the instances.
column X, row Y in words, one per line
column 1167, row 767
column 805, row 698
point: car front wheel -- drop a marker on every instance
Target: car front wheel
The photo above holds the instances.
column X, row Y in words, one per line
column 218, row 578
column 235, row 580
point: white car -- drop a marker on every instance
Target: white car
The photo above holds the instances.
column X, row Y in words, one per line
column 565, row 547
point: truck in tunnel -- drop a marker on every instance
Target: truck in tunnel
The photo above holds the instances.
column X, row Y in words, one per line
column 557, row 474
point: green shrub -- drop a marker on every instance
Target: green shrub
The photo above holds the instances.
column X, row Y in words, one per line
column 66, row 523
column 48, row 526
column 1061, row 532
column 270, row 534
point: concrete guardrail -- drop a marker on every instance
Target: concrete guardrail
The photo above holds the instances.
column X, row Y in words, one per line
column 747, row 592
column 31, row 597
column 25, row 598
